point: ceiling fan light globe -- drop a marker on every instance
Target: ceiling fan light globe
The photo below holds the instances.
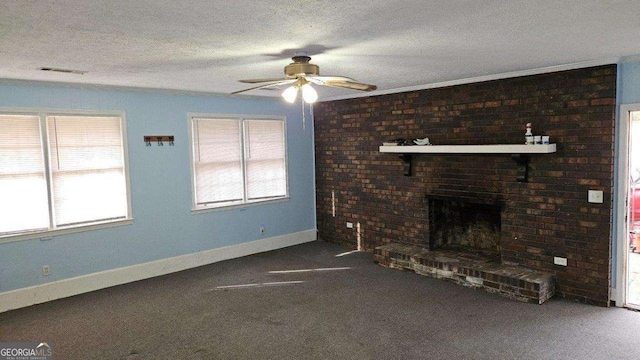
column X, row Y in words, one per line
column 309, row 94
column 290, row 94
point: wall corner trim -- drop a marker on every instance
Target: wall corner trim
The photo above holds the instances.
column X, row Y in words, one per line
column 38, row 294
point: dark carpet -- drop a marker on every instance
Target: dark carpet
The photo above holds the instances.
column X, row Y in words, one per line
column 363, row 312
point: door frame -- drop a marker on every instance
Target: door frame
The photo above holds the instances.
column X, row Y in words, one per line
column 621, row 206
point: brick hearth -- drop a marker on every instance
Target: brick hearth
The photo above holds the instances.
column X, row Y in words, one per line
column 469, row 270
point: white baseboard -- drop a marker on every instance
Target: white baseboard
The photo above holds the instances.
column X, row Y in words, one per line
column 73, row 286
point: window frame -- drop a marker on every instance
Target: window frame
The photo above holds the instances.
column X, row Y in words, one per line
column 195, row 208
column 50, row 232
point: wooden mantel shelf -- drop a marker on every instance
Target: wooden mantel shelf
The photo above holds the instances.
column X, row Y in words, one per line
column 519, row 153
column 470, row 149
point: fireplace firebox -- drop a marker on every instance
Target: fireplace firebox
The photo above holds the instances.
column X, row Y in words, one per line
column 465, row 225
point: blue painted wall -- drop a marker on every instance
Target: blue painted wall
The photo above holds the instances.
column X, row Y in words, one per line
column 160, row 186
column 629, row 84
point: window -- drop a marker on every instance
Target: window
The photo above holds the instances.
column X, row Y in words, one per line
column 61, row 171
column 23, row 184
column 237, row 160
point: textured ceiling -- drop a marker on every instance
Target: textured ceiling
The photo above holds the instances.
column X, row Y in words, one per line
column 207, row 45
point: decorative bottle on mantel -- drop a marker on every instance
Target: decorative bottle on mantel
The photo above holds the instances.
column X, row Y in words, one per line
column 528, row 136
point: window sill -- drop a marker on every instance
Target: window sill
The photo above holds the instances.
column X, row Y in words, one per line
column 48, row 234
column 239, row 206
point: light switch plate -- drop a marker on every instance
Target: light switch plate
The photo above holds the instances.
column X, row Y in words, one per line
column 596, row 196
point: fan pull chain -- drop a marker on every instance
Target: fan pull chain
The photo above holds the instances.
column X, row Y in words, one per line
column 303, row 118
column 311, row 114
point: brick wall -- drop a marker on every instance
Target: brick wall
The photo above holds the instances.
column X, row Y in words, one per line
column 545, row 217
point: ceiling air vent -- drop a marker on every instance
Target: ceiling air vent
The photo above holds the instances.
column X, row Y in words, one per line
column 66, row 71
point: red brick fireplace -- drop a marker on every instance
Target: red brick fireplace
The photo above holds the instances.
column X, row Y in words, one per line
column 544, row 217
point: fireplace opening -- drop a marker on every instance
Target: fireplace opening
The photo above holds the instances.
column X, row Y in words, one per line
column 465, row 226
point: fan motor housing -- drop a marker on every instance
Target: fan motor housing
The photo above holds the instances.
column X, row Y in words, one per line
column 300, row 66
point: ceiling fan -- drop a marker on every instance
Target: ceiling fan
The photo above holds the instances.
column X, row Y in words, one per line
column 301, row 74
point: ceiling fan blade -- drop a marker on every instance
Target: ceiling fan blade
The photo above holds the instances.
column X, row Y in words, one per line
column 256, row 81
column 273, row 83
column 322, row 78
column 341, row 81
column 351, row 85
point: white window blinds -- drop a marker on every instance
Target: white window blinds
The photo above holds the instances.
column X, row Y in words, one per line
column 61, row 171
column 23, row 186
column 237, row 160
column 87, row 169
column 217, row 161
column 265, row 159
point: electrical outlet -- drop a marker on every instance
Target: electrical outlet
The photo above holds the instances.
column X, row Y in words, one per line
column 46, row 271
column 349, row 225
column 596, row 196
column 560, row 261
column 262, row 229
